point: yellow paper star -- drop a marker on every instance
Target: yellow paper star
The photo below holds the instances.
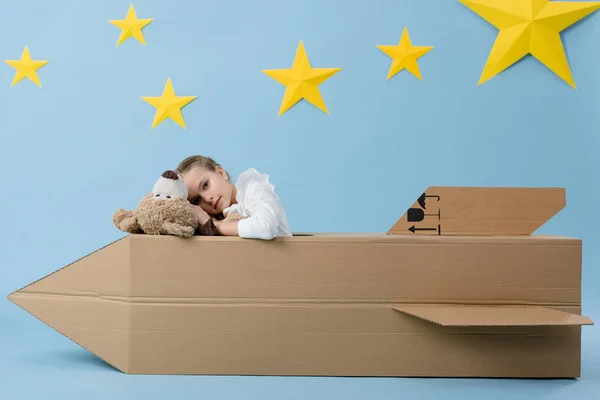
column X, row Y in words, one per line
column 404, row 55
column 131, row 26
column 26, row 67
column 301, row 81
column 169, row 105
column 529, row 27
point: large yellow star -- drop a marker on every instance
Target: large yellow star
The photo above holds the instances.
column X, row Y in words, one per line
column 169, row 105
column 131, row 26
column 26, row 67
column 301, row 81
column 529, row 27
column 404, row 55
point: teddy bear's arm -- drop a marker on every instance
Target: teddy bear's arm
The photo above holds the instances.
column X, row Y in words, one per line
column 179, row 230
column 126, row 221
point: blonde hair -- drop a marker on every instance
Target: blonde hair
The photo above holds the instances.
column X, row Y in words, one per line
column 205, row 162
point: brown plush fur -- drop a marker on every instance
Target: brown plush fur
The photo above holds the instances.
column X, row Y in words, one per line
column 161, row 217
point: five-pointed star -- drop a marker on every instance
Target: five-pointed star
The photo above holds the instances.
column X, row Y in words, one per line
column 131, row 26
column 529, row 27
column 301, row 81
column 404, row 55
column 26, row 67
column 169, row 105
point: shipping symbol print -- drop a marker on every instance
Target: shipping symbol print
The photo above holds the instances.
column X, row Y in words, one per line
column 414, row 214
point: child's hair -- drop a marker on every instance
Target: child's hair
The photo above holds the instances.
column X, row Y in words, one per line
column 202, row 161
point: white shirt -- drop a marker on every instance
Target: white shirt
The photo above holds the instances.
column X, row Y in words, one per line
column 258, row 202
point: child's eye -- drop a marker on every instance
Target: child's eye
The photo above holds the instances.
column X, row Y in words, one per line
column 205, row 184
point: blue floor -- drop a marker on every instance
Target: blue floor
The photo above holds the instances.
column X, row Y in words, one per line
column 36, row 362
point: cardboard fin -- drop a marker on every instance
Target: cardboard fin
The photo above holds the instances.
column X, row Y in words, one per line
column 481, row 211
column 475, row 315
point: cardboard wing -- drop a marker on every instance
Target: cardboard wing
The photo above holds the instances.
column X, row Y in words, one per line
column 451, row 210
column 496, row 315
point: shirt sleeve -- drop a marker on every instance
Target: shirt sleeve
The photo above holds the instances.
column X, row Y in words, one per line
column 264, row 210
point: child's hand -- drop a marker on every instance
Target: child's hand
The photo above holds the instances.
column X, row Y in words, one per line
column 201, row 214
column 234, row 208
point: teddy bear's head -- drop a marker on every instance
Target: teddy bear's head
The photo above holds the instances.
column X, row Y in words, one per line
column 170, row 185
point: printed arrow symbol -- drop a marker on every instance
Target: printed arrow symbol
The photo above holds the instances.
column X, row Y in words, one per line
column 413, row 229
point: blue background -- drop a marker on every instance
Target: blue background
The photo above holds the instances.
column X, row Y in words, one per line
column 79, row 148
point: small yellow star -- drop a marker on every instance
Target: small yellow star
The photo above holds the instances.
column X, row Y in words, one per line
column 131, row 26
column 169, row 105
column 26, row 67
column 301, row 81
column 529, row 27
column 404, row 55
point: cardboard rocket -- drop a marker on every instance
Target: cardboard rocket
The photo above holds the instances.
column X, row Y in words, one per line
column 460, row 286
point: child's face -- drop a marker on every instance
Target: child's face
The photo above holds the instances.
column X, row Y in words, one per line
column 209, row 190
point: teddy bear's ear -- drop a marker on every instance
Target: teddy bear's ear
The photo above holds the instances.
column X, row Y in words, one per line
column 126, row 221
column 170, row 174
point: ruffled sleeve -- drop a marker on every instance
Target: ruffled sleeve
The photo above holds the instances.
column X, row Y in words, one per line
column 261, row 205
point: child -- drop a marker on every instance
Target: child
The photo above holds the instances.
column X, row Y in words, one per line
column 213, row 195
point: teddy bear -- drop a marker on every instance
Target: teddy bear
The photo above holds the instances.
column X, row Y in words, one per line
column 166, row 211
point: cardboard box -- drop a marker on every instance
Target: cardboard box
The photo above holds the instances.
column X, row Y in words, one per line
column 478, row 296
